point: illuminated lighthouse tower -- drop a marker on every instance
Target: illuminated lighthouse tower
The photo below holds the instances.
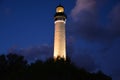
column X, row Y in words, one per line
column 59, row 34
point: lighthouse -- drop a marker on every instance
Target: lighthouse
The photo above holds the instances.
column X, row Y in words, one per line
column 59, row 33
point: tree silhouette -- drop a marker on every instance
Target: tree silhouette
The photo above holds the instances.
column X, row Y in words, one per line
column 12, row 67
column 15, row 67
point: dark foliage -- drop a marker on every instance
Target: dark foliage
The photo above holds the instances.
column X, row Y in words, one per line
column 15, row 67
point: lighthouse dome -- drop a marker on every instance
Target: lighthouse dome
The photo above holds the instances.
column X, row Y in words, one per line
column 60, row 9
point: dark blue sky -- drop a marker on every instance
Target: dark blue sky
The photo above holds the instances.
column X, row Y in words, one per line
column 93, row 31
column 25, row 23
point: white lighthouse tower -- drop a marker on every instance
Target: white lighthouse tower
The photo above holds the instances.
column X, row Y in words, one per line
column 59, row 34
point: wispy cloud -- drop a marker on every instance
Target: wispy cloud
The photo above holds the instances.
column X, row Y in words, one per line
column 82, row 5
column 33, row 53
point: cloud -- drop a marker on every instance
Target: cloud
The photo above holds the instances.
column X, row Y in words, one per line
column 44, row 52
column 32, row 53
column 81, row 5
column 86, row 22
